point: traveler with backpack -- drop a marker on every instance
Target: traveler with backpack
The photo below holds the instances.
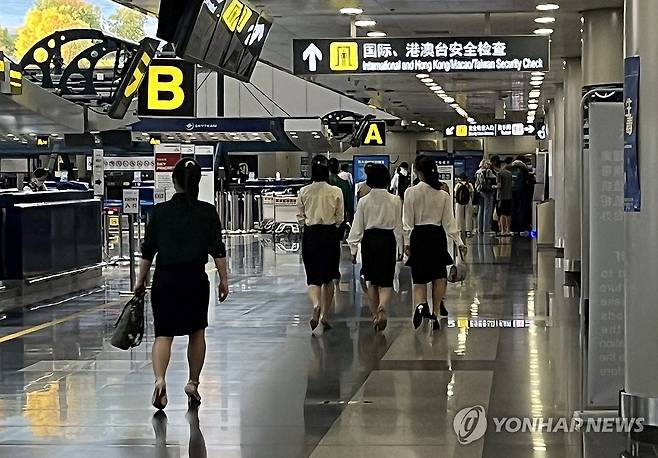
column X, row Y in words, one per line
column 504, row 198
column 485, row 186
column 464, row 198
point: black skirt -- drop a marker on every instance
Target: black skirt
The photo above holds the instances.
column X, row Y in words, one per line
column 321, row 254
column 379, row 255
column 429, row 254
column 180, row 296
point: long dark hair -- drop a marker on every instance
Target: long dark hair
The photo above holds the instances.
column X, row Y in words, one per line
column 187, row 175
column 427, row 167
column 320, row 169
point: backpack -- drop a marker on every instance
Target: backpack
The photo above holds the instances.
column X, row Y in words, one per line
column 483, row 182
column 463, row 194
column 518, row 179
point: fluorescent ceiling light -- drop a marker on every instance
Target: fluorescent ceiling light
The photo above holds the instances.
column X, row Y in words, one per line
column 536, row 78
column 536, row 83
column 546, row 31
column 376, row 34
column 422, row 76
column 535, row 94
column 531, row 113
column 449, row 100
column 548, row 7
column 351, row 11
column 532, row 101
column 537, row 73
column 421, row 124
column 427, row 80
column 533, row 106
column 365, row 23
column 545, row 20
column 470, row 119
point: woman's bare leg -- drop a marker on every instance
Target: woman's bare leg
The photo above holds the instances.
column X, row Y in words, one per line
column 439, row 288
column 373, row 296
column 327, row 299
column 160, row 356
column 420, row 294
column 196, row 354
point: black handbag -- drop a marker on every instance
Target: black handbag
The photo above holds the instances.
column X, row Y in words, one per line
column 129, row 328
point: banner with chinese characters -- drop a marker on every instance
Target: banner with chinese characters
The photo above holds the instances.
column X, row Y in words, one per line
column 632, row 191
column 421, row 55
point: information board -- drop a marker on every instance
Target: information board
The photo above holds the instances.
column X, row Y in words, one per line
column 131, row 201
column 421, row 54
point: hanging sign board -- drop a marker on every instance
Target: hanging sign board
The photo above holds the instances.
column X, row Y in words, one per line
column 518, row 129
column 421, row 55
column 169, row 89
column 374, row 134
column 632, row 192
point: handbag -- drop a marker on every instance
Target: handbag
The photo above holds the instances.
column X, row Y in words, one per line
column 129, row 328
column 457, row 273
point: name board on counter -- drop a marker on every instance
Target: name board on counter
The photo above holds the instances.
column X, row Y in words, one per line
column 521, row 53
column 517, row 129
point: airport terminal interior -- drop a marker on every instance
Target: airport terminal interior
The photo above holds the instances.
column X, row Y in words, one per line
column 328, row 228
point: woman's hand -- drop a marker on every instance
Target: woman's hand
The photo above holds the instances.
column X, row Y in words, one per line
column 222, row 290
column 407, row 250
column 353, row 259
column 140, row 287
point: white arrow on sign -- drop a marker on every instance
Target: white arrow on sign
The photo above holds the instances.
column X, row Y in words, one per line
column 450, row 131
column 256, row 33
column 312, row 54
column 530, row 129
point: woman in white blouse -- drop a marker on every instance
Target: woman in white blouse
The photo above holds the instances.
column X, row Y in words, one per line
column 427, row 217
column 320, row 213
column 378, row 228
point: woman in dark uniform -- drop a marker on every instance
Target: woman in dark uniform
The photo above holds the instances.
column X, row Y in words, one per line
column 378, row 229
column 320, row 213
column 183, row 232
column 427, row 216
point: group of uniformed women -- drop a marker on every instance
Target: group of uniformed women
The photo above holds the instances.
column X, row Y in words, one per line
column 385, row 229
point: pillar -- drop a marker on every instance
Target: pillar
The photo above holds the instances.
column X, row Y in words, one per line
column 603, row 47
column 641, row 397
column 557, row 161
column 573, row 88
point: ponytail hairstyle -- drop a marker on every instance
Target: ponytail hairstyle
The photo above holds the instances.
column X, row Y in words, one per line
column 187, row 175
column 429, row 172
column 320, row 169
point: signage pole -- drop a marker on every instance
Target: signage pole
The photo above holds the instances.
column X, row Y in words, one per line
column 353, row 27
column 131, row 247
column 121, row 236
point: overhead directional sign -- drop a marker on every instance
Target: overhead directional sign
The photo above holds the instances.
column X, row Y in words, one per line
column 421, row 55
column 518, row 129
column 374, row 134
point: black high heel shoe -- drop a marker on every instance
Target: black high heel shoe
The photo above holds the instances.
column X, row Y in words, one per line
column 381, row 320
column 315, row 321
column 443, row 311
column 193, row 396
column 422, row 311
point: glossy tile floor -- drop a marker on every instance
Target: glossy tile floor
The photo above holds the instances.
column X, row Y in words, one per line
column 271, row 390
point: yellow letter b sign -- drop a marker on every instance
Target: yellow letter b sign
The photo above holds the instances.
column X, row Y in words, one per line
column 169, row 89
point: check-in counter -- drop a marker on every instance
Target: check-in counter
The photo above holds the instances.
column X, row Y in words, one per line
column 49, row 234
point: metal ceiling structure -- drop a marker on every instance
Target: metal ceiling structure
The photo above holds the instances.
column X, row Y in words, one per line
column 404, row 95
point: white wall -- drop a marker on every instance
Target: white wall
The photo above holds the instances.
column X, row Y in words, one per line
column 510, row 145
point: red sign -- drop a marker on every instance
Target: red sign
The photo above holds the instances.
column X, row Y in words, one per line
column 165, row 162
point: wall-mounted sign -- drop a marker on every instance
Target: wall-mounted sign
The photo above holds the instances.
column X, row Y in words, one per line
column 169, row 89
column 167, row 156
column 632, row 190
column 490, row 130
column 134, row 78
column 542, row 131
column 421, row 55
column 374, row 134
column 43, row 141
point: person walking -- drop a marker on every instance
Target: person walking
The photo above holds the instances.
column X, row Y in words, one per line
column 348, row 193
column 504, row 190
column 522, row 182
column 345, row 174
column 427, row 216
column 378, row 229
column 464, row 191
column 485, row 183
column 401, row 180
column 183, row 232
column 321, row 212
